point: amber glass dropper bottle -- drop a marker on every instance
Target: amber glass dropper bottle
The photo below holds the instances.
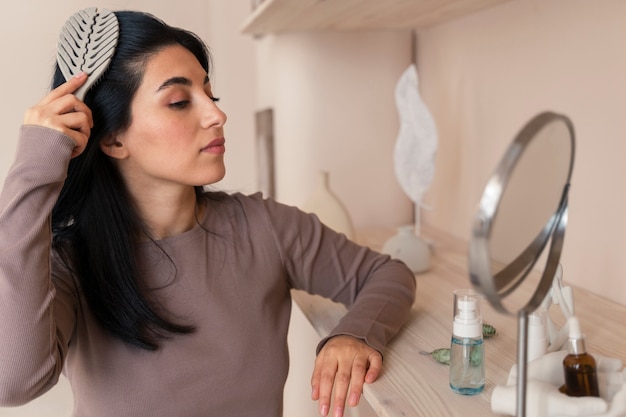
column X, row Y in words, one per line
column 581, row 379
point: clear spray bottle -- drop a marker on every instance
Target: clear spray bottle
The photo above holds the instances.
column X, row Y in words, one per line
column 467, row 354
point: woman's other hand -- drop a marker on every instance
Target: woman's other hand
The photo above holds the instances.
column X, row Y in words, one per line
column 346, row 363
column 62, row 111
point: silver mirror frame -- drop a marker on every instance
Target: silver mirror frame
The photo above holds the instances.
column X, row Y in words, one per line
column 480, row 263
column 479, row 254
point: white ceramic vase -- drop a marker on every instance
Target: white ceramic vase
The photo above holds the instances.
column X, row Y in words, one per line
column 329, row 208
column 411, row 249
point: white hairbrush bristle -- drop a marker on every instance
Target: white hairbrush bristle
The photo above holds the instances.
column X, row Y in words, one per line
column 87, row 43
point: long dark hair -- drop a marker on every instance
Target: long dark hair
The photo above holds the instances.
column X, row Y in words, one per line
column 94, row 222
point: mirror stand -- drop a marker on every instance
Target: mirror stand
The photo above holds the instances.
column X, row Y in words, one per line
column 552, row 264
column 522, row 355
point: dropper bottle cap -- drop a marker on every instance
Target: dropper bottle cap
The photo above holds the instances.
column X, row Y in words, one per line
column 576, row 341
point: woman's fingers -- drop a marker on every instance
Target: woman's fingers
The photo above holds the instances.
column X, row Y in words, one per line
column 62, row 111
column 67, row 87
column 342, row 367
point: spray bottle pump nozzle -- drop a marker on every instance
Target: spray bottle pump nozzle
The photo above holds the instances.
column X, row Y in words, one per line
column 467, row 321
column 466, row 311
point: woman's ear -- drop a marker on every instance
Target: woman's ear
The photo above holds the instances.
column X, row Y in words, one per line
column 114, row 148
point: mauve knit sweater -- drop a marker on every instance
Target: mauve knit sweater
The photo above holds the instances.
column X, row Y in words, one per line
column 233, row 283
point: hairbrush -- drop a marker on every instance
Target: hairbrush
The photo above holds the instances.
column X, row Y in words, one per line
column 87, row 43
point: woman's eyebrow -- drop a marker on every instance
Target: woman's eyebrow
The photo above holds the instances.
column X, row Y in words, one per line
column 174, row 81
column 179, row 81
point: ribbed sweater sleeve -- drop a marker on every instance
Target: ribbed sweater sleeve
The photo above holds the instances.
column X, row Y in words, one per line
column 31, row 341
column 378, row 290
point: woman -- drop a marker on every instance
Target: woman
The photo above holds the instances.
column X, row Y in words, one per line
column 154, row 297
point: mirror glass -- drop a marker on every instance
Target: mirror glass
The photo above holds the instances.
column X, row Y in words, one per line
column 523, row 204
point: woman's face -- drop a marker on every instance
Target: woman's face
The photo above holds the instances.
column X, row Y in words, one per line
column 176, row 135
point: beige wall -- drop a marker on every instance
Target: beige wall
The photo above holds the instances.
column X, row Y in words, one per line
column 332, row 95
column 485, row 75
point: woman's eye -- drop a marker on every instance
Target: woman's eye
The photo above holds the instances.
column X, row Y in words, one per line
column 179, row 105
column 214, row 99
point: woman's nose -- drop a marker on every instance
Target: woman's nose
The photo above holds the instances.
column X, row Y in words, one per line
column 213, row 115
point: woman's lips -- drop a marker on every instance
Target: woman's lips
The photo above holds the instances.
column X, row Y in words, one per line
column 215, row 146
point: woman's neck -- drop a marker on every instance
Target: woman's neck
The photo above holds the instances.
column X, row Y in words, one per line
column 169, row 213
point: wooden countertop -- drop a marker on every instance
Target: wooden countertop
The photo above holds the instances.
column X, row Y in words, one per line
column 415, row 385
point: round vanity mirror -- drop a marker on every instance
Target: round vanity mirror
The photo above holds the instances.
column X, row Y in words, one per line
column 520, row 224
column 523, row 211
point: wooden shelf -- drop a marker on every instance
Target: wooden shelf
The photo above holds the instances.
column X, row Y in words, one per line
column 274, row 16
